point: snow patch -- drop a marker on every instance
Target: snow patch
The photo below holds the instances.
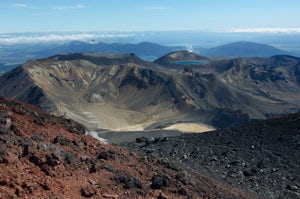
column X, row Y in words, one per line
column 95, row 135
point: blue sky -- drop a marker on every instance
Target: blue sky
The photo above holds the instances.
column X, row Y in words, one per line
column 141, row 15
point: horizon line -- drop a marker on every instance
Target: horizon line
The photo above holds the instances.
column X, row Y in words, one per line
column 229, row 30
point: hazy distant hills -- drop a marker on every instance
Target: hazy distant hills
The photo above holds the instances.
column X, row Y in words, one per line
column 244, row 49
column 12, row 55
column 151, row 51
column 124, row 92
column 144, row 49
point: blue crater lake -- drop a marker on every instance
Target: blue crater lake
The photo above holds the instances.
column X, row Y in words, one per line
column 191, row 62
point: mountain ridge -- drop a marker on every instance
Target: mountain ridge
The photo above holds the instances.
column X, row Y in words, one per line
column 122, row 92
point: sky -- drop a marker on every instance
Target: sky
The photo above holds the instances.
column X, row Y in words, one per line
column 149, row 15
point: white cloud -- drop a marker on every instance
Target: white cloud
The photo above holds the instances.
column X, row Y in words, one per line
column 57, row 8
column 51, row 37
column 20, row 5
column 23, row 5
column 75, row 7
column 264, row 30
column 157, row 8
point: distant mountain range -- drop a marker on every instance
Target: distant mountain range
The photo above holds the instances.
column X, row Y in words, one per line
column 124, row 92
column 12, row 55
column 244, row 49
column 147, row 50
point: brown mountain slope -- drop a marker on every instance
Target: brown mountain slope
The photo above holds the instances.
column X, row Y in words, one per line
column 277, row 77
column 89, row 92
column 262, row 86
column 43, row 156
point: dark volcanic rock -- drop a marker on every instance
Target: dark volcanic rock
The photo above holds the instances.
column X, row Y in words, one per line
column 159, row 181
column 5, row 123
column 262, row 157
column 88, row 191
column 107, row 155
column 61, row 140
column 127, row 180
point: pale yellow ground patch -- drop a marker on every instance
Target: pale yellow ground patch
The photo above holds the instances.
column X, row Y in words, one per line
column 190, row 127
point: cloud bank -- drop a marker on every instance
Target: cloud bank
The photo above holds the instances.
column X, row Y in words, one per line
column 264, row 30
column 10, row 39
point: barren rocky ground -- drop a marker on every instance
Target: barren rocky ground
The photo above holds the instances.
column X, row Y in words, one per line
column 43, row 156
column 262, row 158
